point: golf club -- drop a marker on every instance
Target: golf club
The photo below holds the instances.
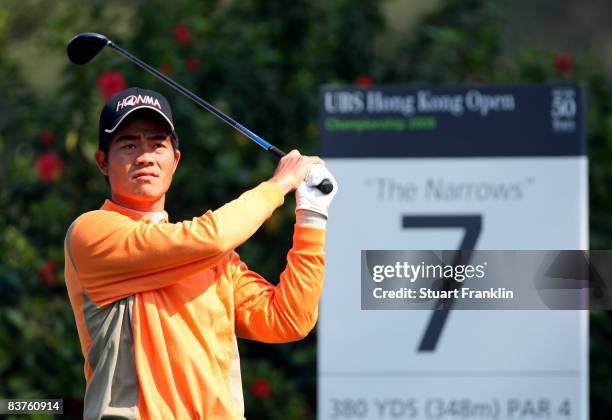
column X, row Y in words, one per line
column 83, row 47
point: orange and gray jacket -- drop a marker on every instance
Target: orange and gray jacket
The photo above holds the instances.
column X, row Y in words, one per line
column 158, row 306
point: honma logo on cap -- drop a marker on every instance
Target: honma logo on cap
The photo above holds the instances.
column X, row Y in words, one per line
column 134, row 100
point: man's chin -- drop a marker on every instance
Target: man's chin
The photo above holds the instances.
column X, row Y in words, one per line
column 146, row 192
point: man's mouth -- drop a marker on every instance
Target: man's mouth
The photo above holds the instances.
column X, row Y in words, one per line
column 144, row 175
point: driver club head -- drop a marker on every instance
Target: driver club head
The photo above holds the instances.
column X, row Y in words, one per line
column 83, row 47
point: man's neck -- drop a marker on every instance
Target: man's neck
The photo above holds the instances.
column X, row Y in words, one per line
column 153, row 206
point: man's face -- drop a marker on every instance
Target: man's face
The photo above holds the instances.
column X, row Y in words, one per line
column 140, row 162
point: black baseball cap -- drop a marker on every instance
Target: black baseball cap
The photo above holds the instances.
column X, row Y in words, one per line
column 125, row 103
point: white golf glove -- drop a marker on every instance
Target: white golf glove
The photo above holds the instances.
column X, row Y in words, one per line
column 308, row 197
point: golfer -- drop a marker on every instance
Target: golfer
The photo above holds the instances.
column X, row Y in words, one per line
column 159, row 305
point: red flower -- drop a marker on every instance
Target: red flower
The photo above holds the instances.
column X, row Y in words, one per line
column 261, row 388
column 364, row 81
column 46, row 136
column 166, row 68
column 182, row 33
column 111, row 82
column 192, row 63
column 50, row 166
column 47, row 273
column 564, row 62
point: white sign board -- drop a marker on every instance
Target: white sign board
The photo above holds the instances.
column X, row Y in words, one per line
column 511, row 178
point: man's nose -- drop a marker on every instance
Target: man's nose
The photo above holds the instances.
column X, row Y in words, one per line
column 144, row 158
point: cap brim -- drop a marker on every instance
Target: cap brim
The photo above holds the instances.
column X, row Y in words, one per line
column 135, row 109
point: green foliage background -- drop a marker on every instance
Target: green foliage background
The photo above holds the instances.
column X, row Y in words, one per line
column 262, row 62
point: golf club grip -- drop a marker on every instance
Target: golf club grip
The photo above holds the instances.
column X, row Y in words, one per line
column 325, row 186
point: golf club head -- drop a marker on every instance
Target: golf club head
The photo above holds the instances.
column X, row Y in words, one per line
column 84, row 47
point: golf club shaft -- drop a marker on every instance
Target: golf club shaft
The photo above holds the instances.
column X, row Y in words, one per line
column 325, row 186
column 267, row 146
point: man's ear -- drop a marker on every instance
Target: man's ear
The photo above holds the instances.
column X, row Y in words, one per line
column 102, row 162
column 177, row 157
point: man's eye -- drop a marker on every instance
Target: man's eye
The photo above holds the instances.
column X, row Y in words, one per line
column 129, row 146
column 159, row 145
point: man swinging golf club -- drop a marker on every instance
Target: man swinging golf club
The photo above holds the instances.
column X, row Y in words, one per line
column 158, row 305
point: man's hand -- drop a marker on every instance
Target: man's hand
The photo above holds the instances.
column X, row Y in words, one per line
column 292, row 170
column 308, row 197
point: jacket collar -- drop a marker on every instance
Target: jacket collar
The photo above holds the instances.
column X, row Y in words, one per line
column 132, row 214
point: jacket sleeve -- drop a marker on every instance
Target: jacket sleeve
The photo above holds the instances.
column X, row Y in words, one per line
column 288, row 311
column 115, row 256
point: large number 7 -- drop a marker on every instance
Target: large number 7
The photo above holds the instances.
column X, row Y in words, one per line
column 472, row 224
